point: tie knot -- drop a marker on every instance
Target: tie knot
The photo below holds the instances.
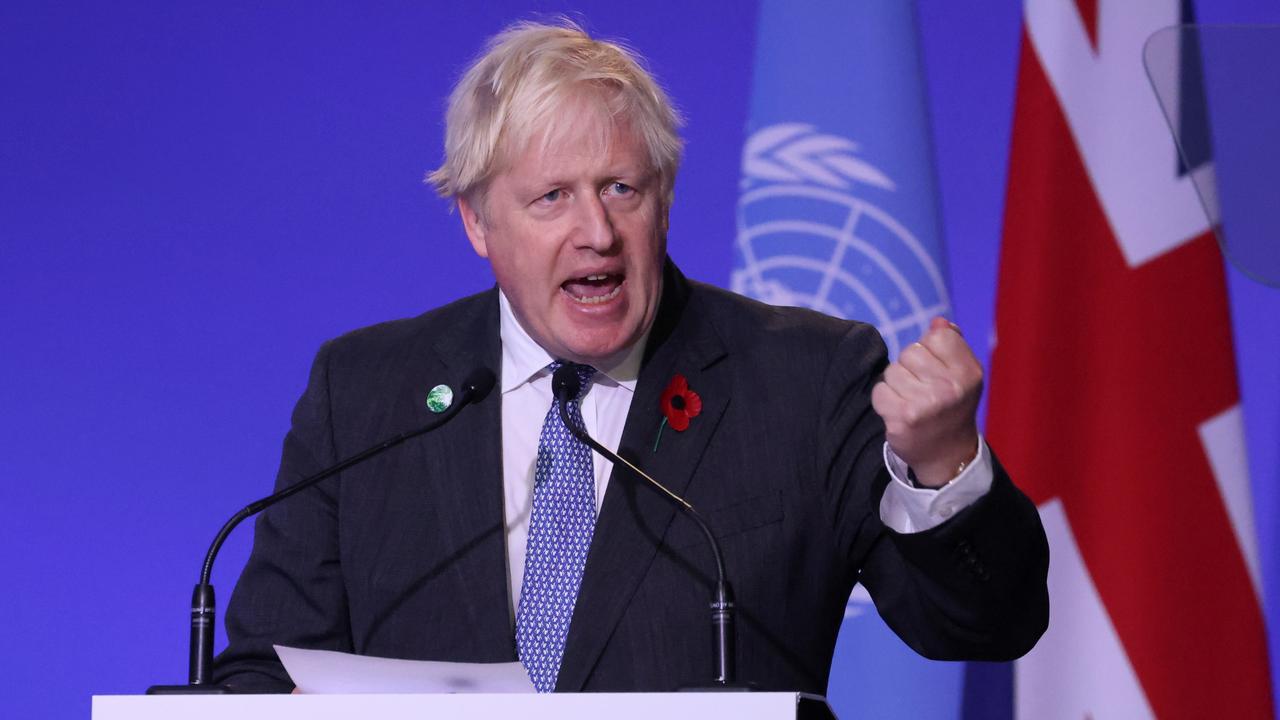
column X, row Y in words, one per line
column 584, row 373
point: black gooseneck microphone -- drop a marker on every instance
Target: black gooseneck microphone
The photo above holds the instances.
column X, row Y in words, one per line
column 200, row 671
column 566, row 385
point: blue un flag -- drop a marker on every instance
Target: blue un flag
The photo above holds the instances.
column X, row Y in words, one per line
column 838, row 212
column 838, row 207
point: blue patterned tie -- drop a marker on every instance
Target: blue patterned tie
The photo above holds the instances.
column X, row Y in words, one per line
column 560, row 527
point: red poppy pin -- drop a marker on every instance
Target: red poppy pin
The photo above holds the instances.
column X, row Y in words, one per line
column 679, row 405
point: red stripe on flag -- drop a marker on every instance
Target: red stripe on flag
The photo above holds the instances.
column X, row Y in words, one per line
column 1088, row 10
column 1100, row 378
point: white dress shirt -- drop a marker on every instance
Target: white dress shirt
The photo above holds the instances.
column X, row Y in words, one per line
column 526, row 397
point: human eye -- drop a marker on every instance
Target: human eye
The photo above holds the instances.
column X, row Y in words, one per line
column 621, row 188
column 551, row 196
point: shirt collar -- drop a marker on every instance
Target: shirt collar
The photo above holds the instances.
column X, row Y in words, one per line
column 523, row 358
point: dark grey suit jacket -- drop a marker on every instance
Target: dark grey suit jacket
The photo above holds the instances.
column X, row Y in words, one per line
column 404, row 556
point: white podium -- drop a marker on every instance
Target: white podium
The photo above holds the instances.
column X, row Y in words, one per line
column 574, row 706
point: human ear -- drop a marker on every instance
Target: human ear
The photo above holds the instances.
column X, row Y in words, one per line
column 474, row 225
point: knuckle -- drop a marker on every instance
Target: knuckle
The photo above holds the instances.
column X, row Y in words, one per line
column 879, row 400
column 938, row 399
column 893, row 374
column 977, row 376
column 968, row 384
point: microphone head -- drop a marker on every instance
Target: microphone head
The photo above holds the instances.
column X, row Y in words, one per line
column 565, row 383
column 478, row 384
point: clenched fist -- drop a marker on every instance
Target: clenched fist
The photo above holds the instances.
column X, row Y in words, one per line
column 929, row 402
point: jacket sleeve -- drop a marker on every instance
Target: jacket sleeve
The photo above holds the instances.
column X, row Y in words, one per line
column 291, row 591
column 972, row 588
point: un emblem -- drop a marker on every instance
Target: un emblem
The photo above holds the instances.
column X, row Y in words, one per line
column 808, row 236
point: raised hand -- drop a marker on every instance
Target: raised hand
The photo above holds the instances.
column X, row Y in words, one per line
column 928, row 399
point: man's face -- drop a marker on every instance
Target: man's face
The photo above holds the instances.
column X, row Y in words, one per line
column 573, row 228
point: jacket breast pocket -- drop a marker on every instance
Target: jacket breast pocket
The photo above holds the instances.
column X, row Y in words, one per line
column 726, row 521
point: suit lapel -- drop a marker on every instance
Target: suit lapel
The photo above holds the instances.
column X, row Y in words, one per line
column 469, row 458
column 635, row 516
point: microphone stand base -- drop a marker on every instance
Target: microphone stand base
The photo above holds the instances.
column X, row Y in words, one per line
column 721, row 687
column 188, row 690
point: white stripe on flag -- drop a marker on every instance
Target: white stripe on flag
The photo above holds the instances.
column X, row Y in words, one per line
column 1101, row 682
column 1223, row 440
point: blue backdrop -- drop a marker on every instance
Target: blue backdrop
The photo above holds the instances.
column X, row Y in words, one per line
column 193, row 197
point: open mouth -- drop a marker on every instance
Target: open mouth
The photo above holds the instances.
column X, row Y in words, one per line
column 593, row 289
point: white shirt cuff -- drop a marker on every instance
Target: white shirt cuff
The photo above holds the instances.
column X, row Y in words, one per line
column 908, row 509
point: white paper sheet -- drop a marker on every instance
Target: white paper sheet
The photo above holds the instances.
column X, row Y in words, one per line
column 328, row 672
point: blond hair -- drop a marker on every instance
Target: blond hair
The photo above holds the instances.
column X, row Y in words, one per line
column 526, row 74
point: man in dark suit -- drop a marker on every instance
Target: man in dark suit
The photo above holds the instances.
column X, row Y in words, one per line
column 816, row 462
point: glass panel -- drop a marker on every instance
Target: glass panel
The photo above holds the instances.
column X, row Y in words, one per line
column 1219, row 89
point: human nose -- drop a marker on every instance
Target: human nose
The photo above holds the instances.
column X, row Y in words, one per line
column 595, row 226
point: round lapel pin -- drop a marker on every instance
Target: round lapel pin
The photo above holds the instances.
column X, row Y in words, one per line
column 439, row 398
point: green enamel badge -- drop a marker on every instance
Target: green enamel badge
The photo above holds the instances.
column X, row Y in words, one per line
column 439, row 399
